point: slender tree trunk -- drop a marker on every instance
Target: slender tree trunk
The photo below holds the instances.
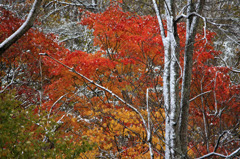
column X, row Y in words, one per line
column 191, row 29
column 166, row 95
column 176, row 112
column 171, row 85
column 170, row 79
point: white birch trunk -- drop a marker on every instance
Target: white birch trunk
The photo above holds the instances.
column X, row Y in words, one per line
column 172, row 74
column 176, row 113
column 149, row 128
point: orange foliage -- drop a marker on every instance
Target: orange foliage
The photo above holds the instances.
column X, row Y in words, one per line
column 129, row 60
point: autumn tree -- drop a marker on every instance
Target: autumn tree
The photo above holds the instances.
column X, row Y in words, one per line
column 23, row 28
column 26, row 129
column 119, row 96
column 122, row 44
column 176, row 122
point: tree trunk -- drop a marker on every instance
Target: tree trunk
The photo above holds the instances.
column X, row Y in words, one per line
column 176, row 112
column 191, row 29
column 171, row 85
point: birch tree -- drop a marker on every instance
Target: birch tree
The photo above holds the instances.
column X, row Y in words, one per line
column 176, row 79
column 176, row 107
column 177, row 112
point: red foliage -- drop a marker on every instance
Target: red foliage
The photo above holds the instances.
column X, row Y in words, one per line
column 130, row 60
column 25, row 54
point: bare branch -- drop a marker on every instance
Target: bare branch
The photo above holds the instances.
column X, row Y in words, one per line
column 233, row 70
column 212, row 154
column 195, row 14
column 1, row 91
column 55, row 104
column 232, row 155
column 149, row 133
column 159, row 19
column 218, row 141
column 219, row 26
column 79, row 4
column 199, row 95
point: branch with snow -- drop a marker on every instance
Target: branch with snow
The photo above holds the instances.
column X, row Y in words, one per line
column 232, row 155
column 23, row 29
column 195, row 14
column 149, row 133
column 160, row 22
column 205, row 20
column 219, row 26
column 102, row 88
column 79, row 4
column 214, row 153
column 50, row 111
column 1, row 91
column 231, row 69
column 53, row 11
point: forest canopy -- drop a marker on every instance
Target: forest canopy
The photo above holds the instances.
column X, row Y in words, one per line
column 106, row 80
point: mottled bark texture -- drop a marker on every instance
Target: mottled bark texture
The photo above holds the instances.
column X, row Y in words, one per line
column 176, row 108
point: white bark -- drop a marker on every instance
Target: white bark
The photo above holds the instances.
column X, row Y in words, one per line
column 232, row 155
column 23, row 29
column 166, row 82
column 176, row 113
column 149, row 130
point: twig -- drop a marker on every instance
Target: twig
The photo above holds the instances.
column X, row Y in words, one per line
column 199, row 95
column 101, row 87
column 232, row 155
column 11, row 80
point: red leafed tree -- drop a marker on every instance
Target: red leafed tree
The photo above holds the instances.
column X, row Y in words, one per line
column 21, row 66
column 26, row 129
column 114, row 96
column 216, row 112
column 130, row 61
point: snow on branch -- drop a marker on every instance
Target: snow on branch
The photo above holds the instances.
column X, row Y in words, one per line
column 50, row 111
column 159, row 19
column 102, row 88
column 198, row 15
column 149, row 134
column 23, row 29
column 214, row 153
column 232, row 155
column 79, row 4
column 53, row 11
column 1, row 91
column 219, row 26
column 231, row 69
